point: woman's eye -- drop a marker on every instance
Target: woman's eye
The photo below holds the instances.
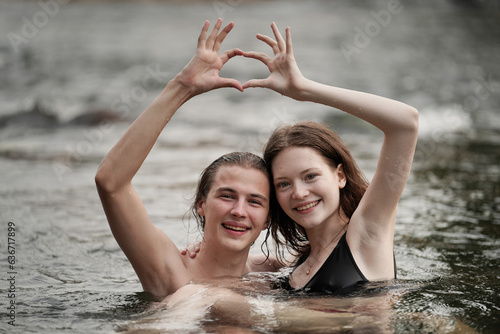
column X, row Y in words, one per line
column 311, row 176
column 282, row 184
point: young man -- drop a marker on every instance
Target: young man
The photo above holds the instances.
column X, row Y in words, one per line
column 233, row 201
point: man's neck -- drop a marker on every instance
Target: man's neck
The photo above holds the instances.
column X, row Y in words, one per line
column 213, row 263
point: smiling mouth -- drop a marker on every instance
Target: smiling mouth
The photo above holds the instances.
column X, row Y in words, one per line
column 308, row 206
column 235, row 228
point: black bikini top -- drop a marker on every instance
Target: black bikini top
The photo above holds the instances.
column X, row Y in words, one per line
column 338, row 275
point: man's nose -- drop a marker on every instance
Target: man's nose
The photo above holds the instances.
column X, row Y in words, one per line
column 238, row 209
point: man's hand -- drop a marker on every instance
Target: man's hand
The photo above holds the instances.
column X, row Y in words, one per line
column 201, row 74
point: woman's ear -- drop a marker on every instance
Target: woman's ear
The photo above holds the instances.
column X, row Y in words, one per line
column 341, row 176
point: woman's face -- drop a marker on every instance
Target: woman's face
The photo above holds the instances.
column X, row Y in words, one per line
column 307, row 187
column 236, row 209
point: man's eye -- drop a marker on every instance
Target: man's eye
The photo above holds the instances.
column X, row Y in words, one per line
column 255, row 202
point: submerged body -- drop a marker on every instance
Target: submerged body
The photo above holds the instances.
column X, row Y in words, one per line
column 248, row 306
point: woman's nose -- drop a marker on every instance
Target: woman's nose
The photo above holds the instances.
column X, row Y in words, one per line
column 299, row 191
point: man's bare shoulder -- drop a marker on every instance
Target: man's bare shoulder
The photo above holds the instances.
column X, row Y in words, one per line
column 262, row 263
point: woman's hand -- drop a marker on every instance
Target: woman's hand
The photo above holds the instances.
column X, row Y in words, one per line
column 285, row 76
column 201, row 74
column 191, row 249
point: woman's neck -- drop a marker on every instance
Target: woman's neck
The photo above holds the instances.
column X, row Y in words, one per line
column 321, row 241
column 327, row 234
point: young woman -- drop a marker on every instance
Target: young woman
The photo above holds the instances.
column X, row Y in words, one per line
column 232, row 203
column 340, row 227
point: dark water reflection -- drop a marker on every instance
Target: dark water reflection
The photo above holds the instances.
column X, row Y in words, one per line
column 463, row 213
column 439, row 56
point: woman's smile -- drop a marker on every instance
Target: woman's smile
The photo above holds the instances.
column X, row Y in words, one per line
column 307, row 207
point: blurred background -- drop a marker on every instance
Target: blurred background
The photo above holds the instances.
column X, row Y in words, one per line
column 75, row 74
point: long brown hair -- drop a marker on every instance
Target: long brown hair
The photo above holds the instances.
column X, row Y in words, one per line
column 286, row 233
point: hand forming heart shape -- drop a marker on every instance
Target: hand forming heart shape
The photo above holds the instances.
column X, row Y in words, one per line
column 201, row 74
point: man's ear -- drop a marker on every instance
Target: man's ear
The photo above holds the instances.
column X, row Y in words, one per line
column 341, row 176
column 200, row 208
column 267, row 223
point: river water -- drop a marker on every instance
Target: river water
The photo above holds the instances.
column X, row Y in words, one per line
column 73, row 75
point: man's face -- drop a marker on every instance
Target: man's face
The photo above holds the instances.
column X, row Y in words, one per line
column 236, row 208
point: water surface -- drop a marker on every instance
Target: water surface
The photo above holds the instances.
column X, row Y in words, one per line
column 92, row 61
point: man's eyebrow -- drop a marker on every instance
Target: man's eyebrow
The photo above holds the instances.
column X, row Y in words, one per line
column 262, row 197
column 226, row 189
column 231, row 190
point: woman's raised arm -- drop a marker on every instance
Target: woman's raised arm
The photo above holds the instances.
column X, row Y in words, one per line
column 371, row 229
